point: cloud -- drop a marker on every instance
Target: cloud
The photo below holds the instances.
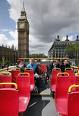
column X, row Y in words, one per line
column 47, row 19
column 14, row 34
column 37, row 46
column 9, row 41
column 14, row 40
column 14, row 11
column 3, row 39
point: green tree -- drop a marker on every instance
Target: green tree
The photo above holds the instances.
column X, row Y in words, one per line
column 73, row 50
column 37, row 56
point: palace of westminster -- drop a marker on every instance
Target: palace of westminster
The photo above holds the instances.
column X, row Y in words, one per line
column 57, row 50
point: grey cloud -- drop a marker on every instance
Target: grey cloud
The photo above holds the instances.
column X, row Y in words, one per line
column 48, row 18
column 39, row 45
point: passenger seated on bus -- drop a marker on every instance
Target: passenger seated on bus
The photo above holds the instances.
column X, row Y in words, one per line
column 32, row 65
column 57, row 64
column 21, row 65
column 65, row 64
column 51, row 66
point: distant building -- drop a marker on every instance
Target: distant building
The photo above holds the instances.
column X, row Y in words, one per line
column 8, row 55
column 23, row 35
column 58, row 48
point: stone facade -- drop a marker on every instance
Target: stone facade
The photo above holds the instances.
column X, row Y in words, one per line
column 8, row 55
column 23, row 35
column 58, row 49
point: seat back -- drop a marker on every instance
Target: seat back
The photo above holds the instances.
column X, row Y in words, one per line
column 70, row 71
column 77, row 79
column 9, row 101
column 76, row 82
column 5, row 78
column 23, row 82
column 73, row 101
column 54, row 77
column 32, row 82
column 63, row 83
column 14, row 75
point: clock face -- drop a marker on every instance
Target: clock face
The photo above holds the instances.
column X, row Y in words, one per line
column 21, row 25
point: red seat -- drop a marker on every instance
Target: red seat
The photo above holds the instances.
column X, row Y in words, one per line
column 77, row 79
column 23, row 82
column 73, row 102
column 14, row 75
column 76, row 82
column 5, row 78
column 62, row 85
column 9, row 101
column 70, row 71
column 32, row 82
column 53, row 79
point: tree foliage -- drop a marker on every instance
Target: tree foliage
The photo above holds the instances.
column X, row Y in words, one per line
column 37, row 56
column 73, row 50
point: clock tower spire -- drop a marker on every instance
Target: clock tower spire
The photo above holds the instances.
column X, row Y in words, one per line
column 23, row 34
column 23, row 7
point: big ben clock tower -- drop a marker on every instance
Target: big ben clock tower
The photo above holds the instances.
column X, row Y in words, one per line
column 23, row 35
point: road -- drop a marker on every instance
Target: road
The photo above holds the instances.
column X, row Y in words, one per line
column 41, row 105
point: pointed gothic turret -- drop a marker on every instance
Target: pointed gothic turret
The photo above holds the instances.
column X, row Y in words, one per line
column 23, row 12
column 67, row 38
column 58, row 38
column 23, row 8
column 77, row 39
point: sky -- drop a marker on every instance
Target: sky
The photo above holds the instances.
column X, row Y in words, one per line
column 47, row 19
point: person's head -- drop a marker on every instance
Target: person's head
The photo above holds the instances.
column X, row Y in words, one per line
column 22, row 61
column 31, row 61
column 57, row 61
column 51, row 61
column 66, row 62
column 36, row 60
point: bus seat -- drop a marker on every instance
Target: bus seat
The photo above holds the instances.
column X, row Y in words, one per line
column 9, row 101
column 62, row 85
column 23, row 82
column 5, row 78
column 70, row 71
column 73, row 101
column 15, row 74
column 32, row 82
column 53, row 79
